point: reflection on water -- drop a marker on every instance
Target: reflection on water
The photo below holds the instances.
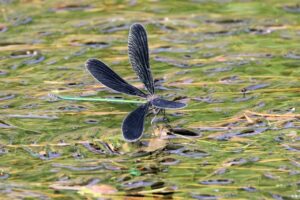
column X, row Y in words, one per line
column 235, row 63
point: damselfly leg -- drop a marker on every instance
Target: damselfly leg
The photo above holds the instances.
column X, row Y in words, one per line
column 156, row 111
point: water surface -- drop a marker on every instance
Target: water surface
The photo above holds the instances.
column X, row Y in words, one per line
column 236, row 63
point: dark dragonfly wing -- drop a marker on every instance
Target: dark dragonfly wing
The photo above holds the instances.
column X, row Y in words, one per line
column 139, row 55
column 133, row 124
column 109, row 78
column 165, row 104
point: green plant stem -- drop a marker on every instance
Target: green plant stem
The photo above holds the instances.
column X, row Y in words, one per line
column 99, row 99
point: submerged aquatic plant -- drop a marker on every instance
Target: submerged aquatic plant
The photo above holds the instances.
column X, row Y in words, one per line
column 133, row 124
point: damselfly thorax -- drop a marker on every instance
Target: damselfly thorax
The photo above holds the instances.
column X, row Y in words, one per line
column 151, row 97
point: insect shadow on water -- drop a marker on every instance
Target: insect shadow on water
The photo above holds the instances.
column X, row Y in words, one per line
column 133, row 124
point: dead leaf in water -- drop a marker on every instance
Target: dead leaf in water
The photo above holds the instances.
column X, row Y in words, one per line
column 70, row 7
column 95, row 190
column 250, row 121
column 158, row 142
column 3, row 28
column 155, row 144
column 102, row 189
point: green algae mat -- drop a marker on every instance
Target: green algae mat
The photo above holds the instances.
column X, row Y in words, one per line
column 235, row 63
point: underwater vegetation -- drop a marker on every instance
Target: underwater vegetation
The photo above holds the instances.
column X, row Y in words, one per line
column 235, row 63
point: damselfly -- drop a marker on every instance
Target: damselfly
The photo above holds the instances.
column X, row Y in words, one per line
column 133, row 124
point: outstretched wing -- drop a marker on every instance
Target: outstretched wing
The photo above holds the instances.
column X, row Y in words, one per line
column 165, row 104
column 139, row 55
column 133, row 124
column 109, row 78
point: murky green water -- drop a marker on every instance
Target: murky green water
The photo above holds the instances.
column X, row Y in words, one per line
column 203, row 52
